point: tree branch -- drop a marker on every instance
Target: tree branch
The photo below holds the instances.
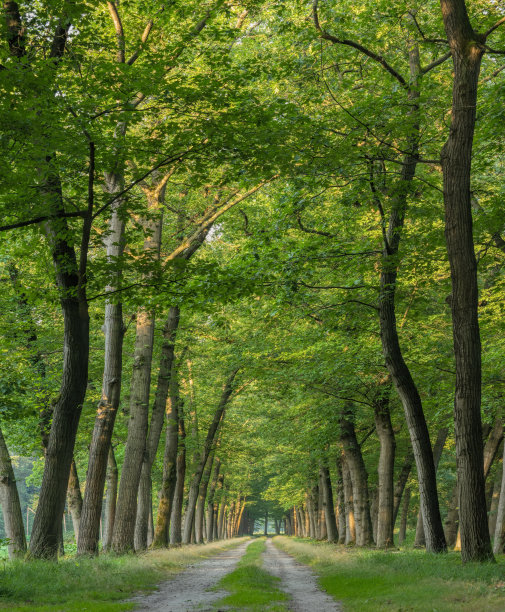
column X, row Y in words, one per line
column 350, row 43
column 119, row 31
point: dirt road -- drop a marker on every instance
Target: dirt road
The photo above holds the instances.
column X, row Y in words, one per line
column 189, row 590
column 298, row 582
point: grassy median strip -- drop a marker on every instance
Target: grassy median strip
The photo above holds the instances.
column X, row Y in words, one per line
column 97, row 585
column 250, row 586
column 401, row 580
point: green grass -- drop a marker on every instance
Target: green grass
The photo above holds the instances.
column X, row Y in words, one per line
column 401, row 580
column 250, row 586
column 97, row 585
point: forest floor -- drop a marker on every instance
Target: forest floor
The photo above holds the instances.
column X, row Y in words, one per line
column 257, row 575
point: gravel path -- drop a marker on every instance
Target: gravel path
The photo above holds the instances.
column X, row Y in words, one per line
column 188, row 590
column 298, row 582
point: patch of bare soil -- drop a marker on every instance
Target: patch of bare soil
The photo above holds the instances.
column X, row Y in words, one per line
column 298, row 582
column 189, row 589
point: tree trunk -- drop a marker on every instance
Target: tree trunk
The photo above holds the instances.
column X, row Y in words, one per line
column 492, row 446
column 401, row 482
column 329, row 510
column 200, row 505
column 110, row 498
column 144, row 504
column 176, row 518
column 350, row 523
column 359, row 478
column 405, row 512
column 124, row 527
column 111, row 386
column 169, row 478
column 384, row 429
column 467, row 49
column 74, row 499
column 71, row 281
column 494, row 437
column 398, row 369
column 495, row 499
column 420, row 540
column 340, row 502
column 220, row 520
column 197, row 475
column 11, row 508
column 211, row 535
column 499, row 533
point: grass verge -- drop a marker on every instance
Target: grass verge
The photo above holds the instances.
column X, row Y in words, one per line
column 97, row 585
column 401, row 580
column 250, row 586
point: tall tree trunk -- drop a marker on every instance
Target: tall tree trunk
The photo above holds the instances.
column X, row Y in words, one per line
column 71, row 283
column 401, row 482
column 11, row 508
column 499, row 533
column 197, row 474
column 350, row 523
column 169, row 478
column 111, row 386
column 124, row 526
column 340, row 502
column 420, row 540
column 200, row 505
column 398, row 369
column 405, row 513
column 495, row 499
column 384, row 429
column 176, row 518
column 467, row 49
column 220, row 520
column 110, row 498
column 494, row 437
column 74, row 499
column 153, row 438
column 359, row 478
column 211, row 535
column 329, row 510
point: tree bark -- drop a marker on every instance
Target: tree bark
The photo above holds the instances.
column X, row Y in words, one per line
column 11, row 508
column 329, row 510
column 124, row 527
column 350, row 523
column 405, row 512
column 384, row 429
column 467, row 48
column 169, row 479
column 111, row 386
column 110, row 498
column 359, row 478
column 495, row 499
column 420, row 540
column 44, row 541
column 398, row 369
column 340, row 502
column 200, row 505
column 197, row 475
column 499, row 533
column 157, row 418
column 74, row 499
column 210, row 501
column 176, row 518
column 401, row 482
